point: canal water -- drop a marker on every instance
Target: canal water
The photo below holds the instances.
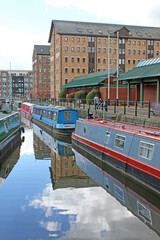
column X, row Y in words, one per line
column 48, row 190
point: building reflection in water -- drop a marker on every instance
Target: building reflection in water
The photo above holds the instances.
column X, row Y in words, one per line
column 64, row 170
column 142, row 203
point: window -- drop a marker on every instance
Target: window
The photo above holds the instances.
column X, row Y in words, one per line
column 83, row 39
column 99, row 50
column 129, row 42
column 129, row 51
column 129, row 61
column 99, row 60
column 89, row 49
column 54, row 116
column 104, row 40
column 66, row 81
column 146, row 150
column 78, row 59
column 66, row 59
column 89, row 39
column 78, row 70
column 49, row 114
column 134, row 51
column 134, row 42
column 90, row 30
column 66, row 70
column 157, row 44
column 78, row 49
column 72, row 70
column 139, row 43
column 72, row 59
column 107, row 137
column 78, row 39
column 144, row 52
column 66, row 48
column 157, row 53
column 72, row 39
column 66, row 39
column 104, row 60
column 99, row 40
column 84, row 49
column 139, row 51
column 134, row 61
column 84, row 70
column 72, row 49
column 119, row 141
column 84, row 59
column 104, row 50
column 114, row 50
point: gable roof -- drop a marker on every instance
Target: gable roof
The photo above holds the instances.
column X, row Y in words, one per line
column 91, row 79
column 144, row 69
column 42, row 49
column 102, row 29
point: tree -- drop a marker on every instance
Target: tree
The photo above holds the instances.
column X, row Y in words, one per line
column 90, row 96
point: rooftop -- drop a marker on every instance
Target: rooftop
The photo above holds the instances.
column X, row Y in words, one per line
column 91, row 79
column 103, row 29
column 42, row 49
column 149, row 68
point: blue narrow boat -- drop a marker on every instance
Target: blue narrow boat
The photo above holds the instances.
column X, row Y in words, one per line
column 59, row 120
column 132, row 149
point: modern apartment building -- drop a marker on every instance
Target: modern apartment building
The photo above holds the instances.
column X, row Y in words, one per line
column 41, row 71
column 78, row 48
column 16, row 83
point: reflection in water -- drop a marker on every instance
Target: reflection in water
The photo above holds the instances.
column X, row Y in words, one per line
column 55, row 199
column 10, row 160
column 143, row 204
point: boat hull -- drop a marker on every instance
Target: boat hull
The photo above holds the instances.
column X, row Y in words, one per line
column 139, row 170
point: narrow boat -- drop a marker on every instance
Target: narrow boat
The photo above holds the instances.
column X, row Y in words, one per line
column 17, row 105
column 132, row 149
column 59, row 120
column 27, row 109
column 26, row 113
column 142, row 203
column 10, row 131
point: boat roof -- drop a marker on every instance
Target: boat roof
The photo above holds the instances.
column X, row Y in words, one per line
column 55, row 108
column 147, row 132
column 28, row 104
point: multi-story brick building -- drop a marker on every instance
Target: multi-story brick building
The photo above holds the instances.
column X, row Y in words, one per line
column 16, row 83
column 78, row 48
column 41, row 71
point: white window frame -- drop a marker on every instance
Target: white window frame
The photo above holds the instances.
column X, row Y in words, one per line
column 146, row 154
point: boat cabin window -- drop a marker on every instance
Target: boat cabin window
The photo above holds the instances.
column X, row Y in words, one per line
column 67, row 115
column 49, row 114
column 40, row 111
column 54, row 116
column 107, row 137
column 44, row 113
column 146, row 150
column 119, row 141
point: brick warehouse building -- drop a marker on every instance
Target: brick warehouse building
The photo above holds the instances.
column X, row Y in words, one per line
column 41, row 71
column 78, row 48
column 16, row 83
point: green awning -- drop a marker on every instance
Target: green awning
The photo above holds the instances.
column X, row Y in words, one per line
column 92, row 79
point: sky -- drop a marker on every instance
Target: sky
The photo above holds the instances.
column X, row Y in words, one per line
column 24, row 24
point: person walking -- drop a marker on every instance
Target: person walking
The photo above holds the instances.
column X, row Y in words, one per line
column 96, row 101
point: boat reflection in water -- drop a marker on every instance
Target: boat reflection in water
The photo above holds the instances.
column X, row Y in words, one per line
column 26, row 120
column 64, row 171
column 8, row 162
column 142, row 203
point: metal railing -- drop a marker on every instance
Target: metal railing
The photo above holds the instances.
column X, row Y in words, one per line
column 134, row 108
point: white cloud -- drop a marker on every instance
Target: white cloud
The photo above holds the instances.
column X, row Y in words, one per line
column 17, row 48
column 137, row 13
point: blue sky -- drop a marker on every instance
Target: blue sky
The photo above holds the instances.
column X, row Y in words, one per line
column 24, row 24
